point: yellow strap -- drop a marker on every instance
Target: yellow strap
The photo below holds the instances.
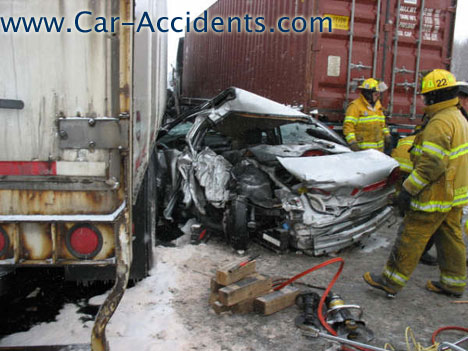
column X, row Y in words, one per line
column 395, row 276
column 350, row 119
column 350, row 137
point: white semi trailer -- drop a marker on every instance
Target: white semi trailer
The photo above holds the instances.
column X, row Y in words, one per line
column 79, row 111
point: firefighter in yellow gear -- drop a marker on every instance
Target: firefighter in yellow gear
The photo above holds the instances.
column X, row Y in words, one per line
column 402, row 156
column 401, row 153
column 433, row 195
column 364, row 124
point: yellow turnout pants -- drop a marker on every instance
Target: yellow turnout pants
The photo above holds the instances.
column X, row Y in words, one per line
column 416, row 230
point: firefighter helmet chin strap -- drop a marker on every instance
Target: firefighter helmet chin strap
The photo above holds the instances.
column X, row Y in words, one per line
column 437, row 96
column 367, row 93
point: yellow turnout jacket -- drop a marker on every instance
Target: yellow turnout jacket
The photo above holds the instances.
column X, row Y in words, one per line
column 439, row 180
column 401, row 153
column 365, row 124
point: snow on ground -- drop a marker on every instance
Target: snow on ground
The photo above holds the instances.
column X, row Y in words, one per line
column 143, row 321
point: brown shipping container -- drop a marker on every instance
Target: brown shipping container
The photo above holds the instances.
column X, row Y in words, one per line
column 391, row 40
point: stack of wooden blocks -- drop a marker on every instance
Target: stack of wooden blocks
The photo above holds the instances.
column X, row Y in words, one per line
column 240, row 289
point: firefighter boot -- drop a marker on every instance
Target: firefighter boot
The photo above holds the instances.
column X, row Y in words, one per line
column 376, row 281
column 436, row 287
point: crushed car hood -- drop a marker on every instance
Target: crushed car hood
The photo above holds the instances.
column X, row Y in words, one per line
column 353, row 169
column 255, row 104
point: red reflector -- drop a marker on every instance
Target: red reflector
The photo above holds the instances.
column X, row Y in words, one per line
column 2, row 242
column 310, row 153
column 84, row 241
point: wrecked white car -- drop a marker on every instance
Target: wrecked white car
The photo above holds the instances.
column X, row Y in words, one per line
column 249, row 168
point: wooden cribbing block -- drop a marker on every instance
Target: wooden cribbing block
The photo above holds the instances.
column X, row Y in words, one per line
column 247, row 288
column 276, row 301
column 243, row 307
column 214, row 287
column 219, row 308
column 233, row 273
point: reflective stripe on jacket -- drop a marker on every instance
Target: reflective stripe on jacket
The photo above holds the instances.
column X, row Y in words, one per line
column 439, row 180
column 365, row 124
column 401, row 153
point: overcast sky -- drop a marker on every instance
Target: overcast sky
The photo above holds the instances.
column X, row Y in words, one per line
column 181, row 7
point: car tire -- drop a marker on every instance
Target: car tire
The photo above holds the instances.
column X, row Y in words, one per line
column 237, row 231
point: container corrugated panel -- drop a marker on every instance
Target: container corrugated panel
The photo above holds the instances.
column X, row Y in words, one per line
column 322, row 70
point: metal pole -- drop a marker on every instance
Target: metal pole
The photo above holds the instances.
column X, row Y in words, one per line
column 461, row 341
column 395, row 54
column 418, row 61
column 452, row 347
column 350, row 342
column 376, row 42
column 350, row 53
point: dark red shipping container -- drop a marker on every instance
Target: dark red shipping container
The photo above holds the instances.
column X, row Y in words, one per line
column 391, row 40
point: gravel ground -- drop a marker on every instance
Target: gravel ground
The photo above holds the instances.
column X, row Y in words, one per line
column 423, row 311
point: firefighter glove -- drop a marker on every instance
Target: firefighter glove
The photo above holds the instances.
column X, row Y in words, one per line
column 403, row 201
column 354, row 146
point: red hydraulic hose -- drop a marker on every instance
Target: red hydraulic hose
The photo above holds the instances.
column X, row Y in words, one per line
column 438, row 331
column 325, row 294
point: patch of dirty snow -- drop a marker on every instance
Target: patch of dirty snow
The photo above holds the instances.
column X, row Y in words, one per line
column 375, row 242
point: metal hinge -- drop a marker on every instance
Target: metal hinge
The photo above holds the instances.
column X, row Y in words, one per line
column 93, row 133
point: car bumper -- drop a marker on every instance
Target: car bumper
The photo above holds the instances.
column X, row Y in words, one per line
column 326, row 243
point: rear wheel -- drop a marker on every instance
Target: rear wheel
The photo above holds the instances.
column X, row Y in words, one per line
column 236, row 229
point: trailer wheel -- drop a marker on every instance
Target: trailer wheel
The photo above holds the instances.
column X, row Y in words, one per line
column 236, row 229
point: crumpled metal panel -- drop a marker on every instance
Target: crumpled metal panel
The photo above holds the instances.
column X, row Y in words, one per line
column 353, row 169
column 193, row 194
column 268, row 153
column 326, row 243
column 247, row 102
column 253, row 183
column 213, row 173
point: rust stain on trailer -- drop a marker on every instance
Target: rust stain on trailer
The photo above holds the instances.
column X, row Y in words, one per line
column 125, row 62
column 35, row 241
column 48, row 202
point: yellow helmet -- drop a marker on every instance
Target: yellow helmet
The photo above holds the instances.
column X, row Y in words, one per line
column 370, row 84
column 436, row 80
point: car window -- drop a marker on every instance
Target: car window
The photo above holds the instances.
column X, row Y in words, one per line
column 294, row 133
column 180, row 129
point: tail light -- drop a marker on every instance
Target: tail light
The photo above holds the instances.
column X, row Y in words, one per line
column 392, row 179
column 310, row 153
column 394, row 176
column 4, row 242
column 84, row 241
